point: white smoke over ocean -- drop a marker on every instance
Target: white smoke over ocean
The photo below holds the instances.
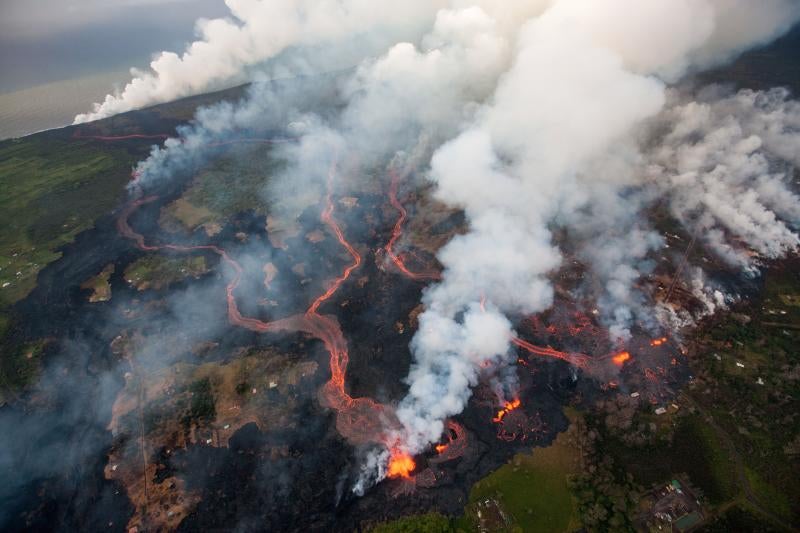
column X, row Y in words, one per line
column 530, row 116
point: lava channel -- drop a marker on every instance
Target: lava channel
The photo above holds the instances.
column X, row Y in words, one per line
column 359, row 420
column 397, row 232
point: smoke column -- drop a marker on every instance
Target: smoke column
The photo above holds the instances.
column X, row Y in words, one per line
column 260, row 30
column 557, row 144
column 529, row 116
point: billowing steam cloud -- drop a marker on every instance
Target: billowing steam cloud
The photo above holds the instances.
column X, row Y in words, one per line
column 725, row 163
column 530, row 116
column 556, row 145
column 257, row 31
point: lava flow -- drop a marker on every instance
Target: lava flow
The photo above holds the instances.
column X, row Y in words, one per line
column 658, row 342
column 164, row 136
column 397, row 232
column 235, row 317
column 400, row 465
column 578, row 359
column 359, row 420
column 620, row 358
column 507, row 408
column 455, row 446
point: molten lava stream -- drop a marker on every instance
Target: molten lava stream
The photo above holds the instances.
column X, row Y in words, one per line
column 234, row 315
column 507, row 408
column 578, row 359
column 359, row 420
column 327, row 218
column 397, row 232
column 455, row 446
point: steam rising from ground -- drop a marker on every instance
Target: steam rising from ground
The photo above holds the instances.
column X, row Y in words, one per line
column 531, row 117
column 557, row 145
column 725, row 164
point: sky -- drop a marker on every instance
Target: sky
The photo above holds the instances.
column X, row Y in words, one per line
column 44, row 41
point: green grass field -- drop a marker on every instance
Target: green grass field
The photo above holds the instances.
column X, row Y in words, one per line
column 533, row 489
column 158, row 271
column 52, row 190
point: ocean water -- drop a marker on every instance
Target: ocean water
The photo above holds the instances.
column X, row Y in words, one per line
column 57, row 57
column 53, row 105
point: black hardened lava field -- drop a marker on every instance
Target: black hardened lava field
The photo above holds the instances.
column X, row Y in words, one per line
column 493, row 268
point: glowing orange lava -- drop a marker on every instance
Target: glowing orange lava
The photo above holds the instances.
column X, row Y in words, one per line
column 620, row 358
column 658, row 342
column 397, row 232
column 359, row 420
column 578, row 359
column 400, row 465
column 327, row 218
column 507, row 408
column 456, row 444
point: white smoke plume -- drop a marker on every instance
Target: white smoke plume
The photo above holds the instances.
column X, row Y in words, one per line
column 711, row 299
column 725, row 164
column 530, row 116
column 585, row 79
column 260, row 30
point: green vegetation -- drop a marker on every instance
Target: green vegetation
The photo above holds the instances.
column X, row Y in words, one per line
column 738, row 519
column 193, row 404
column 748, row 380
column 533, row 489
column 426, row 523
column 770, row 497
column 159, row 271
column 183, row 214
column 18, row 367
column 52, row 190
column 607, row 496
column 227, row 187
column 99, row 285
column 735, row 434
column 202, row 408
column 694, row 450
column 531, row 493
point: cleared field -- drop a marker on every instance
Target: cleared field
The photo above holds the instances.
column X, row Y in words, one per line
column 532, row 490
